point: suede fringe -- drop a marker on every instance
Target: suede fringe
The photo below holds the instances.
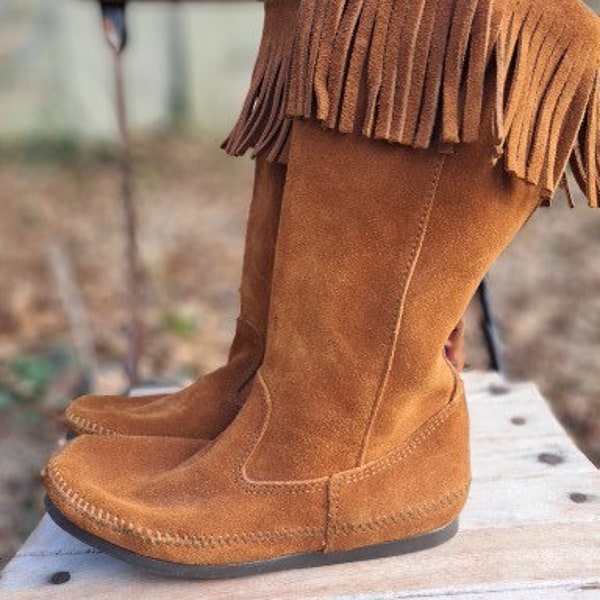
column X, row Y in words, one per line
column 262, row 124
column 415, row 72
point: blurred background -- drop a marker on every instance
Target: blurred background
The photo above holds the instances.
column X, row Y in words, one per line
column 65, row 285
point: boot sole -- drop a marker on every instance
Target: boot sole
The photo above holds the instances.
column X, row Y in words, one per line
column 293, row 561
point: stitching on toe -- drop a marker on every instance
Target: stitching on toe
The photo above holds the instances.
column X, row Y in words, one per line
column 119, row 525
column 88, row 426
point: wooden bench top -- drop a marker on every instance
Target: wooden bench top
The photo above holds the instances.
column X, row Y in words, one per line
column 531, row 529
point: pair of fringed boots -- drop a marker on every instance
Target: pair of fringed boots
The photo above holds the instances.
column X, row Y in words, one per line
column 418, row 137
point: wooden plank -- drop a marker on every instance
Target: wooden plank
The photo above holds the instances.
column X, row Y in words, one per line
column 531, row 529
column 577, row 591
column 495, row 560
column 519, row 406
column 516, row 503
column 524, row 457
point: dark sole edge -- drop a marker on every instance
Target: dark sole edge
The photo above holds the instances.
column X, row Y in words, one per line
column 293, row 561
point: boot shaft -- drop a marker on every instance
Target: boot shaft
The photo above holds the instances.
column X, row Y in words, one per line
column 261, row 239
column 248, row 345
column 379, row 251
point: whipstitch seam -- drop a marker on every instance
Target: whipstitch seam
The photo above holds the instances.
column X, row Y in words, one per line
column 122, row 526
column 417, row 511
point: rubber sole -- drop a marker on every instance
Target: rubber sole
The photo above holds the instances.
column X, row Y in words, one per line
column 293, row 561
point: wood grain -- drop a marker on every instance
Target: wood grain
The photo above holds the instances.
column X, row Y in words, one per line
column 531, row 529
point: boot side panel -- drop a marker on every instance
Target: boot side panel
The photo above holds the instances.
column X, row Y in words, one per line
column 261, row 239
column 353, row 216
column 478, row 209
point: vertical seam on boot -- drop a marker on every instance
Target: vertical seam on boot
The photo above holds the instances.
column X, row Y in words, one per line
column 267, row 487
column 333, row 501
column 404, row 286
column 259, row 430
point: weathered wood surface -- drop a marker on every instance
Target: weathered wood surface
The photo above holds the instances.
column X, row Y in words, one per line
column 531, row 529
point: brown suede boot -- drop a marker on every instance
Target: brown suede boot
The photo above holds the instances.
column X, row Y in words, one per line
column 203, row 409
column 353, row 442
column 354, row 394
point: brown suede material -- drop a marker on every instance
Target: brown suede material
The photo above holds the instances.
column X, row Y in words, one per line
column 355, row 430
column 146, row 456
column 345, row 210
column 305, row 466
column 499, row 205
column 378, row 352
column 423, row 483
column 205, row 408
column 421, row 67
column 203, row 510
column 261, row 240
column 206, row 510
column 262, row 124
column 201, row 410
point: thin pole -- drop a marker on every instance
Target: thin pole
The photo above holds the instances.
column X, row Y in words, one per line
column 490, row 331
column 113, row 16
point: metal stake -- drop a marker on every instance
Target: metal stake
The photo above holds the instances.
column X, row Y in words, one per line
column 490, row 331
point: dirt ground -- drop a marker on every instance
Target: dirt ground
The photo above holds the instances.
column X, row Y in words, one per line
column 60, row 238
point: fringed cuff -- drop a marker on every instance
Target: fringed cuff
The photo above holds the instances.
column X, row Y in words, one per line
column 262, row 124
column 415, row 72
column 419, row 73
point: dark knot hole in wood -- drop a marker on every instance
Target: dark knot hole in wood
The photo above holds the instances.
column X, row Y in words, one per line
column 550, row 458
column 60, row 577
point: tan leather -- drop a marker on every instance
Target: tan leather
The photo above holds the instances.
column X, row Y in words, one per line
column 205, row 408
column 355, row 431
